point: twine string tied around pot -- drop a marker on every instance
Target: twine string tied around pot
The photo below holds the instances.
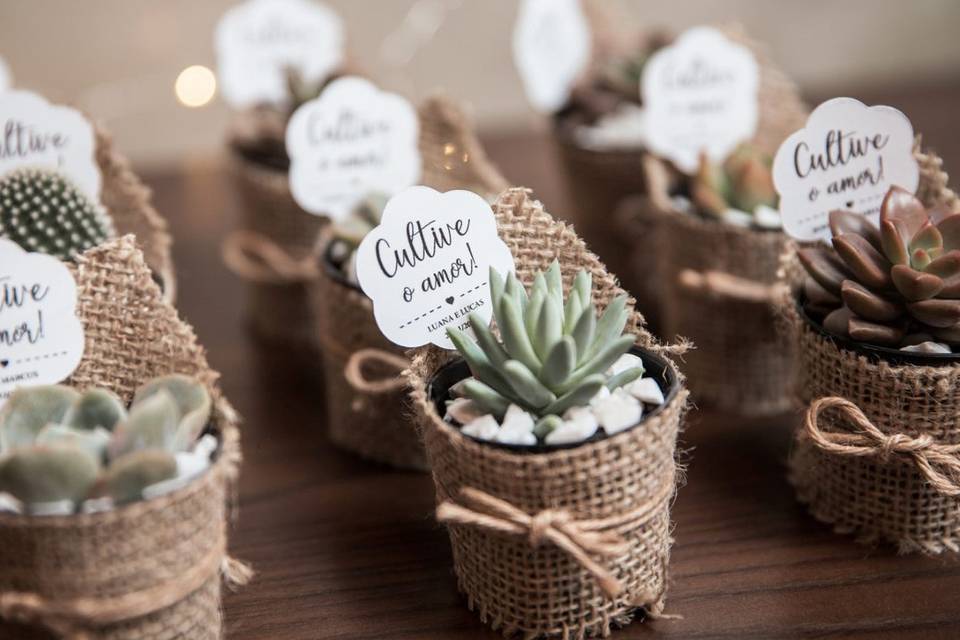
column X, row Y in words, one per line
column 583, row 540
column 72, row 618
column 939, row 463
column 353, row 371
column 719, row 284
column 253, row 256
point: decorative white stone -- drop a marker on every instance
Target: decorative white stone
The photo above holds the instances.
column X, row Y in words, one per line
column 483, row 428
column 600, row 396
column 618, row 412
column 9, row 504
column 97, row 505
column 646, row 390
column 55, row 508
column 623, row 128
column 738, row 218
column 624, row 362
column 767, row 217
column 928, row 347
column 463, row 410
column 578, row 425
column 681, row 204
column 517, row 427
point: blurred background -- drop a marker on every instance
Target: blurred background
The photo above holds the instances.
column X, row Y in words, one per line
column 119, row 59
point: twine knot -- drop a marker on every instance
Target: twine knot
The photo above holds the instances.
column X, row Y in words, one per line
column 353, row 371
column 582, row 540
column 938, row 463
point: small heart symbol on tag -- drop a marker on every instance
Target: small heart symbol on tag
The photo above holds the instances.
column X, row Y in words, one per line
column 4, row 363
column 450, row 300
column 850, row 204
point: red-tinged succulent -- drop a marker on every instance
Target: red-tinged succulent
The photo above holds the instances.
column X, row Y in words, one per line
column 896, row 285
column 743, row 182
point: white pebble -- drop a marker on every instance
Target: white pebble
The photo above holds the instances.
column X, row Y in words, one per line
column 624, row 362
column 927, row 347
column 9, row 504
column 483, row 428
column 516, row 436
column 582, row 417
column 737, row 218
column 517, row 427
column 600, row 396
column 54, row 508
column 682, row 204
column 646, row 390
column 767, row 217
column 463, row 410
column 579, row 424
column 618, row 412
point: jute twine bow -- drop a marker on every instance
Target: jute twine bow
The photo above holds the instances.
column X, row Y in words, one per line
column 353, row 372
column 255, row 257
column 939, row 463
column 720, row 284
column 73, row 618
column 582, row 540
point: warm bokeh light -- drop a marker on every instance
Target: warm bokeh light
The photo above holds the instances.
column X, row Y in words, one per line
column 195, row 86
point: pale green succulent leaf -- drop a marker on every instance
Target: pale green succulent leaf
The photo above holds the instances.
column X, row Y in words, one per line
column 496, row 288
column 584, row 330
column 30, row 409
column 579, row 395
column 487, row 341
column 534, row 309
column 624, row 377
column 128, row 476
column 477, row 360
column 485, row 397
column 151, row 424
column 560, row 363
column 48, row 474
column 516, row 291
column 600, row 362
column 515, row 337
column 526, row 386
column 95, row 408
column 610, row 325
column 549, row 327
column 94, row 441
column 571, row 313
column 192, row 401
column 555, row 280
column 582, row 286
column 546, row 425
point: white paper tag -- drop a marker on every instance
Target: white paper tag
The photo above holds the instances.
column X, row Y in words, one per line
column 41, row 338
column 6, row 78
column 700, row 95
column 551, row 48
column 35, row 133
column 259, row 40
column 352, row 140
column 426, row 266
column 846, row 157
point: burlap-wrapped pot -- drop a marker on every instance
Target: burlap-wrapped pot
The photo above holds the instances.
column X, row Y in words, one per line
column 127, row 200
column 721, row 278
column 366, row 396
column 567, row 542
column 150, row 569
column 877, row 454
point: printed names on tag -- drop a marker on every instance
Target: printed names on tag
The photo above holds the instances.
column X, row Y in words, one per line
column 353, row 140
column 846, row 157
column 551, row 48
column 36, row 133
column 41, row 338
column 259, row 41
column 700, row 96
column 426, row 266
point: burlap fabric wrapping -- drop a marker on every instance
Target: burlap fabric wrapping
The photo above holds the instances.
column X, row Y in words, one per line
column 366, row 395
column 722, row 279
column 878, row 454
column 571, row 542
column 151, row 569
column 127, row 200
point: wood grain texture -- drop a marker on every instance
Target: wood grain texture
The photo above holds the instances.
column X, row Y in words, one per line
column 349, row 550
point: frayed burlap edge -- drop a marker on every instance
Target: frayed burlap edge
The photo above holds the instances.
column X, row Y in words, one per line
column 84, row 587
column 909, row 384
column 128, row 201
column 364, row 416
column 493, row 569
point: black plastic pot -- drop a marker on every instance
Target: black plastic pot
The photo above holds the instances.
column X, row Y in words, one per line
column 453, row 372
column 877, row 353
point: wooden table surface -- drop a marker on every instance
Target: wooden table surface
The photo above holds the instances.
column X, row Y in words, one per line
column 350, row 550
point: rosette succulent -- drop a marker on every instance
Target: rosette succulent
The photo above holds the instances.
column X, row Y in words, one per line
column 43, row 211
column 554, row 359
column 739, row 190
column 58, row 444
column 897, row 285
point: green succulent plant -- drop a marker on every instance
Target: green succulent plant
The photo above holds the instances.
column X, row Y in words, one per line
column 551, row 354
column 43, row 211
column 743, row 181
column 896, row 285
column 60, row 444
column 365, row 216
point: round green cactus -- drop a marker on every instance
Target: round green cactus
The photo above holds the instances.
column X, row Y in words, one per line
column 42, row 211
column 552, row 354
